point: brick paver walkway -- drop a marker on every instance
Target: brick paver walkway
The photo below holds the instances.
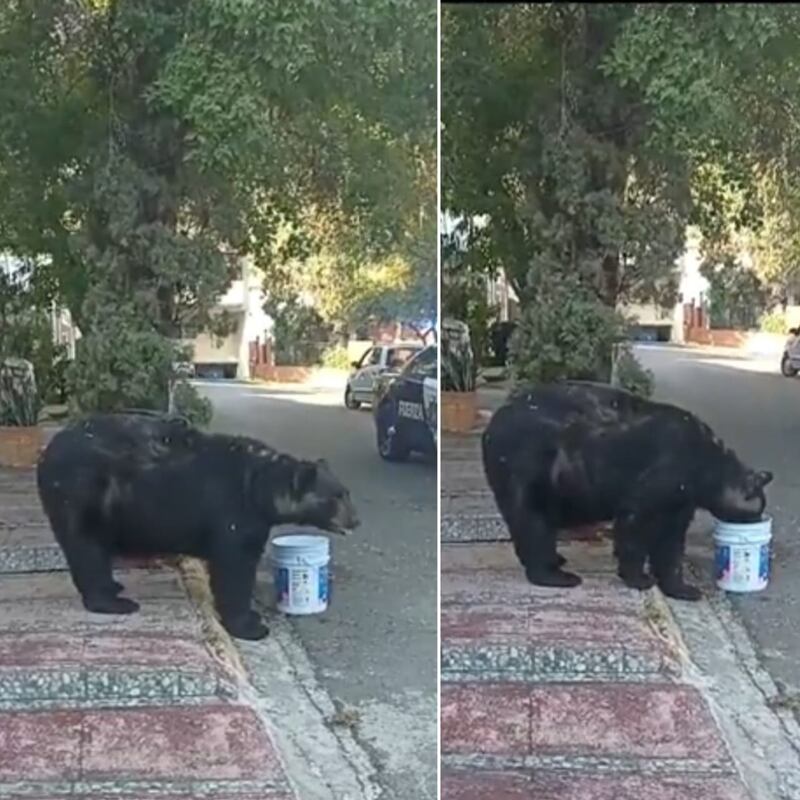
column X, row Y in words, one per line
column 560, row 694
column 98, row 706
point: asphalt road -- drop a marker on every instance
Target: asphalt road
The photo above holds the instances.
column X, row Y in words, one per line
column 375, row 649
column 756, row 411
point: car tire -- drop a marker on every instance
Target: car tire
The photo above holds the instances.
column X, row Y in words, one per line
column 350, row 401
column 787, row 370
column 390, row 447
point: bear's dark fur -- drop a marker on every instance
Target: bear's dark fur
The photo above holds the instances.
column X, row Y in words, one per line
column 133, row 484
column 577, row 453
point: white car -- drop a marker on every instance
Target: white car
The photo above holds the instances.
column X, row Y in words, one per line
column 790, row 362
column 378, row 359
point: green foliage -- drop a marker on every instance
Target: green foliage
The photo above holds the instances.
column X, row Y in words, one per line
column 630, row 374
column 20, row 402
column 736, row 296
column 336, row 358
column 555, row 152
column 467, row 301
column 775, row 322
column 299, row 332
column 466, row 297
column 26, row 332
column 124, row 363
column 564, row 333
column 145, row 147
column 349, row 284
column 589, row 136
column 187, row 403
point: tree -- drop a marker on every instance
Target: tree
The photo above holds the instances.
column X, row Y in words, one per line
column 590, row 136
column 186, row 133
column 346, row 280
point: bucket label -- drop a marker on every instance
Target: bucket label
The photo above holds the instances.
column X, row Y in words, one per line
column 282, row 584
column 302, row 590
column 300, row 587
column 763, row 566
column 742, row 568
column 723, row 563
column 323, row 585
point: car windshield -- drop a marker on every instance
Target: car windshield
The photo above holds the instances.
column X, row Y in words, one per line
column 399, row 356
column 423, row 365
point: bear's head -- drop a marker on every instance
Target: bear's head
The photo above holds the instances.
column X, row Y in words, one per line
column 739, row 496
column 308, row 493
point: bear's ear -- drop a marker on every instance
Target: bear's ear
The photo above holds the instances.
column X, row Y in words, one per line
column 764, row 478
column 756, row 481
column 304, row 479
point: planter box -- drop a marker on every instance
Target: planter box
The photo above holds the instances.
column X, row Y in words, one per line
column 459, row 411
column 20, row 447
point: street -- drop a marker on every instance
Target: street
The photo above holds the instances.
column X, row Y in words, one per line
column 374, row 652
column 756, row 411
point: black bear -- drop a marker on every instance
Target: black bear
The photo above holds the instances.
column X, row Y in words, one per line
column 132, row 484
column 576, row 453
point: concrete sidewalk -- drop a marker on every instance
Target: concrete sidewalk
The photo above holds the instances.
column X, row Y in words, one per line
column 594, row 693
column 157, row 704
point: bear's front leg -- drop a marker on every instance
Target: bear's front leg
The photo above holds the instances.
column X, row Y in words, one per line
column 232, row 571
column 630, row 549
column 666, row 554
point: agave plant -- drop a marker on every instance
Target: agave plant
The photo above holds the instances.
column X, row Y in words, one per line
column 19, row 401
column 459, row 370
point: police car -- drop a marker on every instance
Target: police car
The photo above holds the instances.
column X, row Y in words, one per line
column 405, row 408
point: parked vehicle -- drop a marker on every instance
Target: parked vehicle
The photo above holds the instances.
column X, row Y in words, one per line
column 377, row 360
column 790, row 361
column 405, row 408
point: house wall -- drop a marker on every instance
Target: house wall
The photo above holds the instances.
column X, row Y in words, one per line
column 244, row 301
column 209, row 349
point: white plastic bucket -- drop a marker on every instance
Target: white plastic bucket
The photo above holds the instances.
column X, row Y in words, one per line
column 300, row 566
column 742, row 555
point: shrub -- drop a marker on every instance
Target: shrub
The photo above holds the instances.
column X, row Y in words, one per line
column 630, row 374
column 336, row 358
column 564, row 332
column 187, row 402
column 121, row 365
column 775, row 322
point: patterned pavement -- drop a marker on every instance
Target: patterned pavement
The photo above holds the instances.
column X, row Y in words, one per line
column 96, row 706
column 561, row 694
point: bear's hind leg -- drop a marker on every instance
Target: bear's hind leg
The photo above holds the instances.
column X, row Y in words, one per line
column 89, row 562
column 233, row 575
column 533, row 539
column 666, row 555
